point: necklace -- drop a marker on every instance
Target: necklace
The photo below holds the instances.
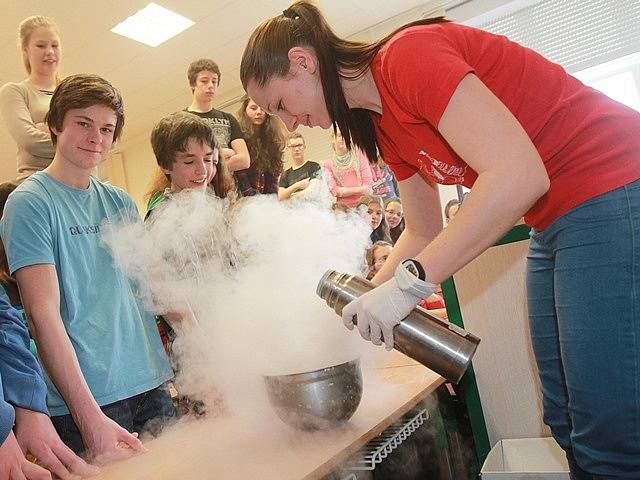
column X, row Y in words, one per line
column 343, row 161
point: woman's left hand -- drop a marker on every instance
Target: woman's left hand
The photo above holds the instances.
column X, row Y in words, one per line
column 378, row 311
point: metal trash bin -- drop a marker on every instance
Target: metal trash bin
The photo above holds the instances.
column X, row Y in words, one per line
column 526, row 459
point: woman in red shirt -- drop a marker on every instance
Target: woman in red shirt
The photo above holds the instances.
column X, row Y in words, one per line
column 451, row 104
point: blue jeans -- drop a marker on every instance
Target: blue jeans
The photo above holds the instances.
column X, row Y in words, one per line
column 583, row 289
column 146, row 413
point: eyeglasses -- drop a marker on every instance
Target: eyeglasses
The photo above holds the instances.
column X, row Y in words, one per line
column 296, row 145
column 393, row 212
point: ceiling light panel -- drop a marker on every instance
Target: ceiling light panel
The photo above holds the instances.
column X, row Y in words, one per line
column 152, row 25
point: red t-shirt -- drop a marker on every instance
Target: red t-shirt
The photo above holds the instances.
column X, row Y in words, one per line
column 589, row 143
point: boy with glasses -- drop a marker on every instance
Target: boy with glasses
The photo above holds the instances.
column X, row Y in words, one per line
column 297, row 177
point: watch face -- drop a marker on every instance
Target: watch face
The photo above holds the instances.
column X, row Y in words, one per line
column 411, row 266
column 414, row 268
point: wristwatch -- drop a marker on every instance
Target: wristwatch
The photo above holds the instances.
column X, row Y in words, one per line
column 411, row 278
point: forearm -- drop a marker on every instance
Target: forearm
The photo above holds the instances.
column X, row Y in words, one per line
column 285, row 193
column 238, row 161
column 34, row 141
column 490, row 211
column 61, row 363
column 347, row 191
column 21, row 127
column 409, row 245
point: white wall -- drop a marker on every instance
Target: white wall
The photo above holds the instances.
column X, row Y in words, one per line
column 8, row 164
column 139, row 165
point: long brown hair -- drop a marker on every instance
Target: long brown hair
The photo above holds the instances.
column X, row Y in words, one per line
column 265, row 142
column 302, row 24
column 382, row 231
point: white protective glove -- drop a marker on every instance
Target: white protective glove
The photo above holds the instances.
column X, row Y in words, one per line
column 378, row 311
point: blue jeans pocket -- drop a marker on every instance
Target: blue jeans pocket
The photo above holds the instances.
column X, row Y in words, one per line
column 609, row 206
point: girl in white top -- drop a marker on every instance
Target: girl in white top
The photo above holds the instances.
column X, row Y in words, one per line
column 23, row 105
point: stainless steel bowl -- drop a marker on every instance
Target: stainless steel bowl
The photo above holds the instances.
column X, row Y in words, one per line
column 320, row 399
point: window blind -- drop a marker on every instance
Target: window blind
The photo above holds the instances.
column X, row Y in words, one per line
column 577, row 34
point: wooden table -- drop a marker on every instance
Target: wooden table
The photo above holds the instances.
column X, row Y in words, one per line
column 233, row 448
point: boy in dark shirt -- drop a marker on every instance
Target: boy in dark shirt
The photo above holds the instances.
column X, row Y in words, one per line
column 204, row 79
column 297, row 177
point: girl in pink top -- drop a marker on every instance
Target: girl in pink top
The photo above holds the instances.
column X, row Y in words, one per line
column 348, row 172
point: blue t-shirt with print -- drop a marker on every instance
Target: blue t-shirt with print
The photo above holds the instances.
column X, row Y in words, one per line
column 115, row 339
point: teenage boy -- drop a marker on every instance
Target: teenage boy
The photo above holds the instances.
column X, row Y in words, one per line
column 204, row 79
column 103, row 355
column 186, row 151
column 297, row 177
column 24, row 422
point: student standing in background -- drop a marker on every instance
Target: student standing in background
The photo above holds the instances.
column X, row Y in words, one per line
column 204, row 78
column 185, row 149
column 298, row 176
column 265, row 139
column 23, row 105
column 348, row 172
column 384, row 182
column 372, row 208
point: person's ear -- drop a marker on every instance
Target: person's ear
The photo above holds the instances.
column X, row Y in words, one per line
column 54, row 130
column 303, row 59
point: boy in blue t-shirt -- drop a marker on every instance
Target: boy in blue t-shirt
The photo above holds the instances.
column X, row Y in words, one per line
column 101, row 351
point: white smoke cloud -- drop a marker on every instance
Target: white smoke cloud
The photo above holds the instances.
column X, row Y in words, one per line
column 249, row 273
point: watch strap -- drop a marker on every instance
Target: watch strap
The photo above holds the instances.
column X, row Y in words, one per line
column 411, row 283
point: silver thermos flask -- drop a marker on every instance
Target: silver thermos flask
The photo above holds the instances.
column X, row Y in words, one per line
column 439, row 345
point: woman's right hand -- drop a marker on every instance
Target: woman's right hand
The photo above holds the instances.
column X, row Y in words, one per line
column 106, row 441
column 15, row 466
